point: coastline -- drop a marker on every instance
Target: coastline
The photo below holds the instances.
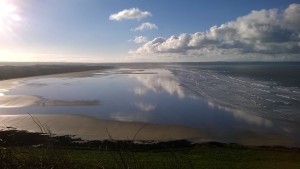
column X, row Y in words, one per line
column 90, row 128
column 16, row 72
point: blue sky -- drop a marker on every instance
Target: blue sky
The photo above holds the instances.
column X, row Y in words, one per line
column 81, row 30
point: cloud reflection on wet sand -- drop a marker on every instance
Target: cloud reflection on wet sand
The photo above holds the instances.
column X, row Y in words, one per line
column 139, row 91
column 162, row 81
column 145, row 106
column 249, row 118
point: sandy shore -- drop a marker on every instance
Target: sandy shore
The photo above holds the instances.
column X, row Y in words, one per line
column 12, row 101
column 97, row 129
column 90, row 128
column 8, row 84
column 9, row 101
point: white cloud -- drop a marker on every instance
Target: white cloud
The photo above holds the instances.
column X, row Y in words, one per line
column 139, row 39
column 264, row 32
column 292, row 16
column 132, row 14
column 145, row 26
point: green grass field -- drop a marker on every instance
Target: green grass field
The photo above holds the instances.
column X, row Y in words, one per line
column 26, row 150
column 206, row 157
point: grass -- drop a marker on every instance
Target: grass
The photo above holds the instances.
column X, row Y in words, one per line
column 206, row 157
column 24, row 150
column 44, row 150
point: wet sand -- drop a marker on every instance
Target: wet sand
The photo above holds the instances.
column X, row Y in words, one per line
column 90, row 128
column 11, row 101
column 7, row 84
column 17, row 101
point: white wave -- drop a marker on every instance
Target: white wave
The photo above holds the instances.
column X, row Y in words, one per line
column 237, row 79
column 287, row 97
column 298, row 92
column 216, row 77
column 262, row 90
column 273, row 101
column 283, row 89
column 247, row 94
column 260, row 85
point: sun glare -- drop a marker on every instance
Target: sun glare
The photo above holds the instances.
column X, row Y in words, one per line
column 6, row 8
column 8, row 14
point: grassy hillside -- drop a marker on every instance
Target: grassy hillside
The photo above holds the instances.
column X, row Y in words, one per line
column 23, row 150
column 208, row 157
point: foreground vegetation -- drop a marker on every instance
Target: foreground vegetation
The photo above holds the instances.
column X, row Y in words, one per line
column 202, row 157
column 23, row 150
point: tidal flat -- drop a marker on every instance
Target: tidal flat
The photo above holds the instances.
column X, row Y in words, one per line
column 160, row 102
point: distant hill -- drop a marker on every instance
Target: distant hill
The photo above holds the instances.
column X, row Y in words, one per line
column 11, row 72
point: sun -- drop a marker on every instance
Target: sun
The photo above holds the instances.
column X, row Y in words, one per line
column 8, row 14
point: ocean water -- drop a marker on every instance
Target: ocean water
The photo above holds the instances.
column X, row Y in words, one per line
column 270, row 90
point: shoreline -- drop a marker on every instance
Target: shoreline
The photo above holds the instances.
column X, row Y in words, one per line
column 90, row 128
column 22, row 138
column 17, row 72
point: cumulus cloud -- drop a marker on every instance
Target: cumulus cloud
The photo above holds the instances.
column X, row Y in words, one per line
column 145, row 26
column 129, row 14
column 264, row 32
column 292, row 17
column 139, row 39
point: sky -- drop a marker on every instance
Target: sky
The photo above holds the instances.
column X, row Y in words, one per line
column 149, row 30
